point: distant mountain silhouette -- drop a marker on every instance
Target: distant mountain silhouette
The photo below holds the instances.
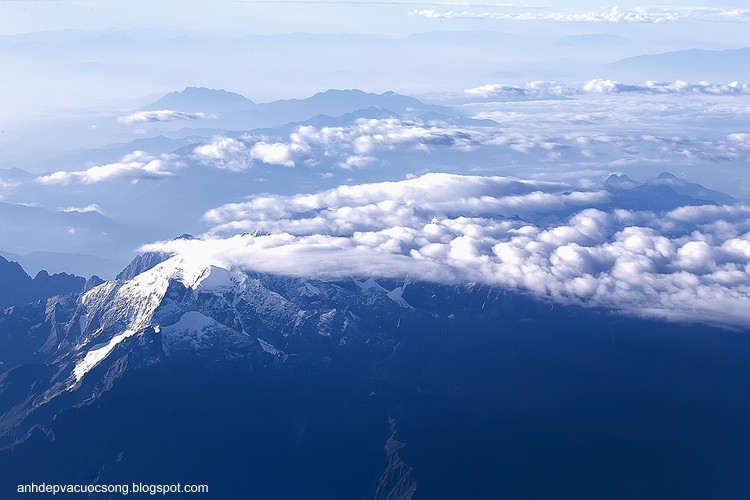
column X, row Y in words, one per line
column 59, row 262
column 19, row 288
column 194, row 99
column 616, row 181
column 721, row 66
column 586, row 40
column 663, row 192
column 339, row 102
column 240, row 113
column 55, row 237
column 691, row 189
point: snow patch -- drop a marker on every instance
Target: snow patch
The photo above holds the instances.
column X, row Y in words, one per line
column 269, row 348
column 216, row 278
column 370, row 287
column 308, row 290
column 191, row 321
column 396, row 295
column 98, row 353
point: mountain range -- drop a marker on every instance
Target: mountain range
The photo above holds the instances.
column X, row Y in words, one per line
column 181, row 371
column 691, row 65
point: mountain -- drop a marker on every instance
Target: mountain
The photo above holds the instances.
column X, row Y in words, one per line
column 59, row 262
column 339, row 102
column 112, row 153
column 664, row 192
column 201, row 99
column 597, row 39
column 616, row 181
column 719, row 66
column 691, row 189
column 363, row 388
column 239, row 113
column 19, row 288
column 56, row 237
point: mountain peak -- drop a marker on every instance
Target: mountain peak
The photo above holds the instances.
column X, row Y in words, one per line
column 620, row 181
column 20, row 288
column 666, row 175
column 193, row 99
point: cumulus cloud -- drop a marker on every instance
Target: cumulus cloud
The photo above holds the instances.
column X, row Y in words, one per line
column 162, row 115
column 690, row 264
column 225, row 153
column 238, row 154
column 351, row 146
column 134, row 167
column 614, row 14
column 88, row 208
column 677, row 87
column 276, row 153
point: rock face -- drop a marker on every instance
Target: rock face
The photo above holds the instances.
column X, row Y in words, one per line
column 182, row 371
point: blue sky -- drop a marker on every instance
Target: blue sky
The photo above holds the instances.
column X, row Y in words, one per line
column 54, row 73
column 249, row 16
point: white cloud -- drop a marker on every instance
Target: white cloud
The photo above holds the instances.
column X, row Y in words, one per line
column 163, row 115
column 237, row 154
column 364, row 207
column 349, row 146
column 543, row 89
column 88, row 208
column 690, row 264
column 134, row 167
column 276, row 153
column 356, row 161
column 530, row 89
column 677, row 87
column 614, row 14
column 225, row 153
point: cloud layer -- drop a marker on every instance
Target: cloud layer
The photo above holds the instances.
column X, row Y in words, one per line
column 352, row 146
column 134, row 167
column 690, row 264
column 614, row 14
column 162, row 115
column 543, row 89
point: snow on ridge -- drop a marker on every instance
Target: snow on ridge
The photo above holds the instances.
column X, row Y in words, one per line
column 137, row 299
column 370, row 286
column 397, row 296
column 95, row 356
column 134, row 302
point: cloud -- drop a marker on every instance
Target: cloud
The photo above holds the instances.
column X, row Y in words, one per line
column 345, row 209
column 276, row 153
column 678, row 87
column 88, row 208
column 238, row 154
column 563, row 137
column 352, row 146
column 690, row 264
column 163, row 115
column 543, row 89
column 530, row 89
column 224, row 153
column 134, row 167
column 606, row 15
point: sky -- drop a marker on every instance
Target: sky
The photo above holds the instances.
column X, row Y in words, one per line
column 168, row 45
column 336, row 16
